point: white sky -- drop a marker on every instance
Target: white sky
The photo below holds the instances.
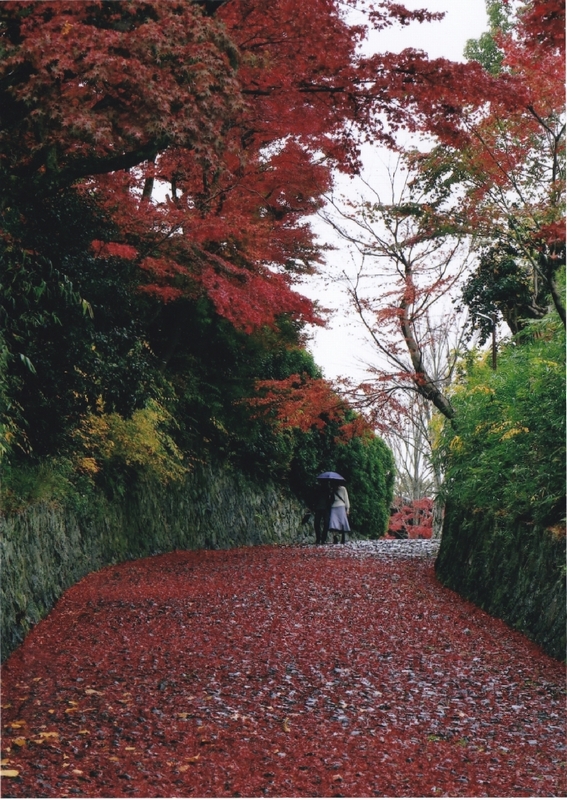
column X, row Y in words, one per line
column 341, row 347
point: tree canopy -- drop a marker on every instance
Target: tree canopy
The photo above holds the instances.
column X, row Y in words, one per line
column 160, row 162
column 239, row 115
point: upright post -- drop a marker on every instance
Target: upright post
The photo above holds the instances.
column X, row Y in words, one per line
column 493, row 317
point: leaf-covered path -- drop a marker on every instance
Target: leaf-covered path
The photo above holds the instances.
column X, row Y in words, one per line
column 279, row 671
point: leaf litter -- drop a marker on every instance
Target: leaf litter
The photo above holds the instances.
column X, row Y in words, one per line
column 279, row 671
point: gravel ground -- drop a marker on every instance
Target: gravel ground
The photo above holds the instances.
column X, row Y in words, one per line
column 389, row 549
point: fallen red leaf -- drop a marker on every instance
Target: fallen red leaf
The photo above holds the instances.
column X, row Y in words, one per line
column 282, row 671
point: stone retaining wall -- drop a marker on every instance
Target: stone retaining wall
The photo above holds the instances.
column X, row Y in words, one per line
column 46, row 549
column 515, row 571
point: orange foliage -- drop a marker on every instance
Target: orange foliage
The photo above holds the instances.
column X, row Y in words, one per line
column 305, row 403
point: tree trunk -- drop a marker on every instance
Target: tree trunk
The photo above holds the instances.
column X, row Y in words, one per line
column 422, row 380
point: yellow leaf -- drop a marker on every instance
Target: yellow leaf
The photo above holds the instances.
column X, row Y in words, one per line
column 48, row 734
column 37, row 679
column 193, row 758
column 77, row 771
column 18, row 723
column 92, row 691
column 71, row 710
column 4, row 762
column 113, row 758
column 184, row 715
column 183, row 769
column 84, row 733
column 6, row 705
column 285, row 725
column 20, row 741
column 9, row 773
column 129, row 748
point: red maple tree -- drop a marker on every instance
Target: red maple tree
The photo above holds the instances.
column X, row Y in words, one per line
column 306, row 403
column 239, row 117
column 209, row 132
column 501, row 140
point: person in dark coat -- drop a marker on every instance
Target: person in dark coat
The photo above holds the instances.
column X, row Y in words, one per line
column 321, row 510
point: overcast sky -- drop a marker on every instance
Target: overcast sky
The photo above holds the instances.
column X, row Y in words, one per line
column 341, row 348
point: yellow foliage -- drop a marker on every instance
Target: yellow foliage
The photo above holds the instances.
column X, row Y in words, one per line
column 495, row 428
column 456, row 444
column 482, row 389
column 140, row 441
column 88, row 465
column 558, row 531
column 509, row 433
column 514, row 432
column 548, row 363
column 436, row 428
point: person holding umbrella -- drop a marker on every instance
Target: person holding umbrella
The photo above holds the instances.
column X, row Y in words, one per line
column 338, row 506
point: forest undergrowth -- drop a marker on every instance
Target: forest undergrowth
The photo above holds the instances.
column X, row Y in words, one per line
column 278, row 671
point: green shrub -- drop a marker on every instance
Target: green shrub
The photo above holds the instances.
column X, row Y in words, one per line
column 26, row 483
column 368, row 465
column 506, row 455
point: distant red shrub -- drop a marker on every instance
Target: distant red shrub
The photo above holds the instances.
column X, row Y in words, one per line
column 412, row 519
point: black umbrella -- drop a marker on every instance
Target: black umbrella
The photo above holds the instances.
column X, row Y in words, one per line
column 330, row 476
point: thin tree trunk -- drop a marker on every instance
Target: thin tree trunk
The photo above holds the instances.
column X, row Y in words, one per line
column 148, row 185
column 423, row 381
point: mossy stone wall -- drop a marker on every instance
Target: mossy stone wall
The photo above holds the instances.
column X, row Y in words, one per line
column 514, row 571
column 46, row 549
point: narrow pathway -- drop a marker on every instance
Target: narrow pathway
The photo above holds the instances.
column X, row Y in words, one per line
column 279, row 671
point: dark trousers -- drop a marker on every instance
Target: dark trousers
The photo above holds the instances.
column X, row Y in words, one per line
column 321, row 523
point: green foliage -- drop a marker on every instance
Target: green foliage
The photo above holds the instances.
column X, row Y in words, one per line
column 212, row 370
column 72, row 324
column 7, row 424
column 105, row 385
column 485, row 49
column 502, row 285
column 368, row 466
column 506, row 456
column 51, row 481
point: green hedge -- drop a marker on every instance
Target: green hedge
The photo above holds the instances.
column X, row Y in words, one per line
column 503, row 543
column 505, row 456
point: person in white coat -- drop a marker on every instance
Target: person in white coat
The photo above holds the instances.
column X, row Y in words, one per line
column 340, row 508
